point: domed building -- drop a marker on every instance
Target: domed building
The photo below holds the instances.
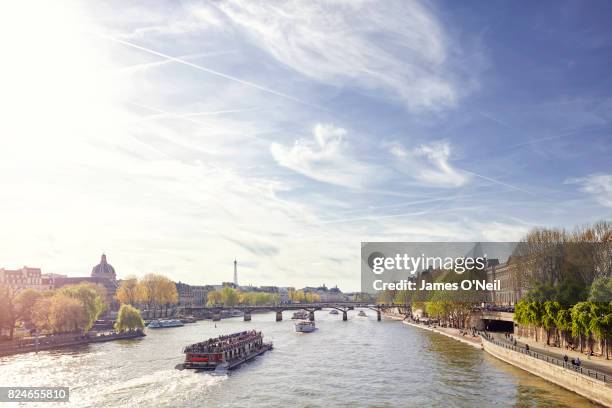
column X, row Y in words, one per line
column 104, row 270
column 102, row 274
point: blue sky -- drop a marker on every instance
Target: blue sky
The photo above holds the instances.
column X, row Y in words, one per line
column 176, row 136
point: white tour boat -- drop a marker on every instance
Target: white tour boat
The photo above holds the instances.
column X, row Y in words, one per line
column 162, row 324
column 304, row 326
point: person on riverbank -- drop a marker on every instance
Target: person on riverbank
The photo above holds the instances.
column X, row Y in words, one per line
column 565, row 358
column 527, row 347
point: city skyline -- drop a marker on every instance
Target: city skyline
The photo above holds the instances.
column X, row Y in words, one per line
column 178, row 137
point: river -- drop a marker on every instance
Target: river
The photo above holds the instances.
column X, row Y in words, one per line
column 359, row 363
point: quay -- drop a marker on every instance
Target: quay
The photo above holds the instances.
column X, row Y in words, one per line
column 589, row 380
column 594, row 385
column 62, row 341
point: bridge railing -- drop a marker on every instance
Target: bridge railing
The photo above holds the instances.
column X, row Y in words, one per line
column 598, row 375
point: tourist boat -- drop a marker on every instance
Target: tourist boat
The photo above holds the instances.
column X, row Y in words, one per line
column 333, row 311
column 224, row 352
column 300, row 315
column 304, row 326
column 362, row 314
column 162, row 324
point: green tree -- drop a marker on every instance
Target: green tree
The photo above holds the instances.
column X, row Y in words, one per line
column 229, row 297
column 128, row 319
column 563, row 322
column 92, row 298
column 601, row 324
column 601, row 289
column 581, row 321
column 549, row 317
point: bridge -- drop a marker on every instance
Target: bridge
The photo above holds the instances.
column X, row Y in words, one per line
column 311, row 308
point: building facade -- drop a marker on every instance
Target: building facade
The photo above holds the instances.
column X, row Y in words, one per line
column 23, row 278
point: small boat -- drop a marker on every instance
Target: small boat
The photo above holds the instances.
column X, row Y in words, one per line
column 304, row 326
column 162, row 324
column 224, row 352
column 188, row 319
column 362, row 314
column 300, row 315
column 236, row 313
column 333, row 311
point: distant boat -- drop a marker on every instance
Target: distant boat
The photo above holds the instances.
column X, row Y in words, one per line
column 304, row 326
column 300, row 315
column 362, row 314
column 162, row 324
column 236, row 313
column 333, row 311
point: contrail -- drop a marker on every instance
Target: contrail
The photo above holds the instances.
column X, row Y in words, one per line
column 138, row 67
column 165, row 114
column 208, row 70
column 498, row 182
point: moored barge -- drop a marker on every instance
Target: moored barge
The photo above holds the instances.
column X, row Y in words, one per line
column 225, row 352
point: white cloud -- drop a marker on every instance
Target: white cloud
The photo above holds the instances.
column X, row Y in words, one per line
column 598, row 185
column 326, row 157
column 400, row 47
column 429, row 163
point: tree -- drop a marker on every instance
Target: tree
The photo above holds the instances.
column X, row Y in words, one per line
column 213, row 298
column 90, row 296
column 549, row 317
column 564, row 322
column 601, row 324
column 128, row 319
column 229, row 297
column 8, row 310
column 25, row 301
column 581, row 321
column 168, row 293
column 601, row 289
column 529, row 313
column 41, row 315
column 127, row 292
column 67, row 314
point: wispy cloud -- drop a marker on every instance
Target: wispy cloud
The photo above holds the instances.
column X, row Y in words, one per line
column 400, row 48
column 430, row 164
column 597, row 185
column 325, row 157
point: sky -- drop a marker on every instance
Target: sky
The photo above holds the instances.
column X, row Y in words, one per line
column 178, row 136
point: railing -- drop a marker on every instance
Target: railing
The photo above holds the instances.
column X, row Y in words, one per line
column 606, row 378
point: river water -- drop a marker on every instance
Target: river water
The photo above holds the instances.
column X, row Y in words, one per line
column 359, row 363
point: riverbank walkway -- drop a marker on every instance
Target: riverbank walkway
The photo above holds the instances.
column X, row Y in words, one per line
column 588, row 362
column 461, row 335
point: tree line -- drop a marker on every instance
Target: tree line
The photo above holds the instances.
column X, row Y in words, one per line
column 229, row 296
column 73, row 308
column 153, row 292
column 564, row 317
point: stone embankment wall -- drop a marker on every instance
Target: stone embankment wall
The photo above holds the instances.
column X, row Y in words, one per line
column 595, row 390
